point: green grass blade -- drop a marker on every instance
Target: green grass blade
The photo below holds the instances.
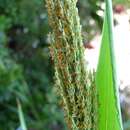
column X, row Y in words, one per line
column 109, row 107
column 21, row 116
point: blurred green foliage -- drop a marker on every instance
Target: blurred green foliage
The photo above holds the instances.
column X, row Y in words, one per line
column 90, row 18
column 25, row 68
column 124, row 2
column 25, row 65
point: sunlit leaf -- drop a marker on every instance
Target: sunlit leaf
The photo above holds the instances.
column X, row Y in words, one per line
column 108, row 95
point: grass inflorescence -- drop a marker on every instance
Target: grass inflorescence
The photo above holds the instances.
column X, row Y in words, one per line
column 74, row 83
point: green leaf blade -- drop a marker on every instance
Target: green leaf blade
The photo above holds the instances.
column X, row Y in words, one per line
column 109, row 108
column 21, row 116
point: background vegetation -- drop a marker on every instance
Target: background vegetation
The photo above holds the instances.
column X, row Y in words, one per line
column 26, row 70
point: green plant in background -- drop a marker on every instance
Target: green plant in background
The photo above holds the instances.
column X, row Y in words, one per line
column 73, row 82
column 12, row 85
column 25, row 65
column 124, row 2
column 90, row 18
column 106, row 81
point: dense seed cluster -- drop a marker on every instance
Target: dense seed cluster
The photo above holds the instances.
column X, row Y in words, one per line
column 75, row 85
